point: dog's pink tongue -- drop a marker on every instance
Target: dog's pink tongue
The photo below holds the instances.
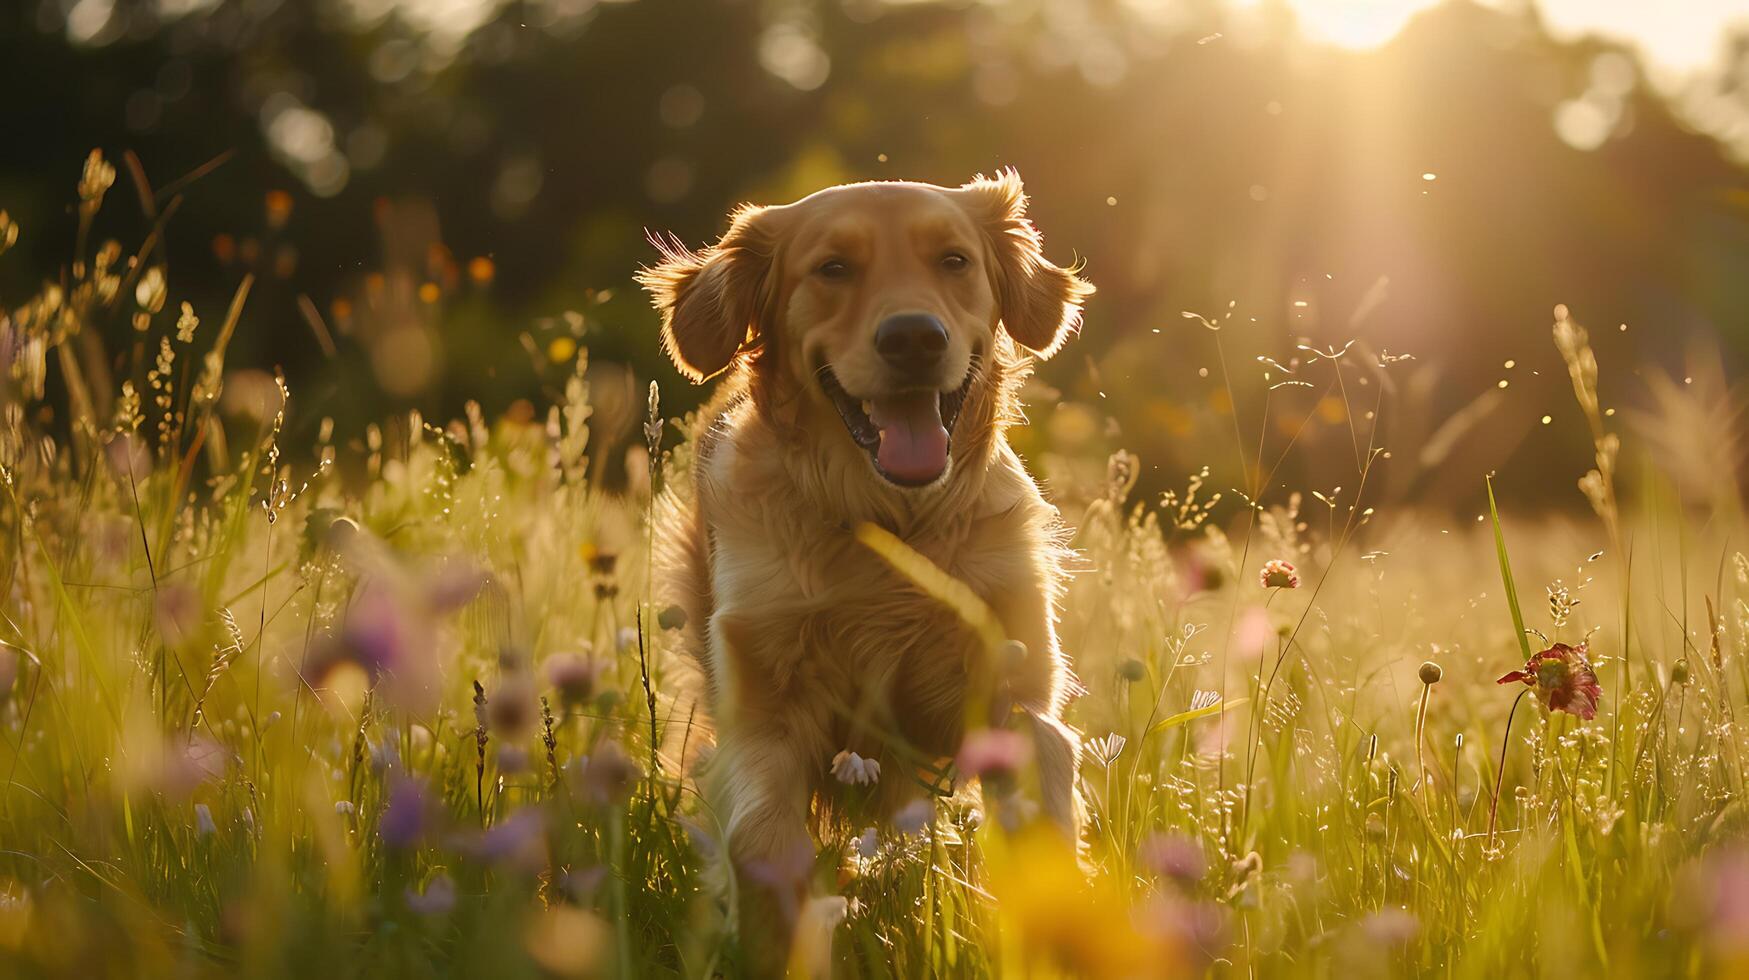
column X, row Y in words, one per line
column 913, row 440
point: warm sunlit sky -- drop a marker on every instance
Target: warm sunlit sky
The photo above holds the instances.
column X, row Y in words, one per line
column 1681, row 46
column 1675, row 37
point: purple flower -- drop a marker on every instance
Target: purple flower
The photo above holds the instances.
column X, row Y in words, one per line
column 1174, row 855
column 378, row 631
column 437, row 898
column 190, row 764
column 407, row 819
column 518, row 842
column 574, row 676
column 176, row 611
column 454, row 586
column 605, row 777
column 1714, row 902
column 581, row 884
column 510, row 711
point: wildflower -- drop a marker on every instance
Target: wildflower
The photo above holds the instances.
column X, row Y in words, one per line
column 377, row 632
column 868, row 843
column 1174, row 855
column 149, row 291
column 176, row 612
column 1390, row 927
column 1431, row 673
column 780, row 876
column 511, row 711
column 583, row 883
column 913, row 816
column 1716, row 903
column 186, row 765
column 186, row 324
column 1562, row 678
column 406, row 820
column 574, row 676
column 853, row 770
column 992, row 751
column 454, row 586
column 1192, row 929
column 437, row 898
column 1106, row 750
column 606, row 776
column 518, row 842
column 1279, row 574
column 203, row 820
column 384, row 755
column 512, row 760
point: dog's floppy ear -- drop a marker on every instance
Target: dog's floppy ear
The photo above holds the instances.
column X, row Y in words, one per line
column 1041, row 302
column 712, row 300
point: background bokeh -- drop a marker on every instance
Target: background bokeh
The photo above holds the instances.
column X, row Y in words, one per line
column 442, row 200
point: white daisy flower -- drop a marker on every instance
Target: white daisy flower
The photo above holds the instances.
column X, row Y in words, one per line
column 853, row 770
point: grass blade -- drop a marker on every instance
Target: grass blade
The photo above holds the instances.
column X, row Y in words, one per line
column 1506, row 574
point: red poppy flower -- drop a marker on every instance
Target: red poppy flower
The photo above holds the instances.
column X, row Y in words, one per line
column 1563, row 680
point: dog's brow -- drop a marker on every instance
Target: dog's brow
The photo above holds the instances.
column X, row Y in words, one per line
column 937, row 230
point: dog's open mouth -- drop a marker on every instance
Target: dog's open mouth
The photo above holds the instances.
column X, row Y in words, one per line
column 908, row 433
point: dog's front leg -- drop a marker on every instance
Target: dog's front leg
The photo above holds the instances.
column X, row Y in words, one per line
column 763, row 786
column 1036, row 689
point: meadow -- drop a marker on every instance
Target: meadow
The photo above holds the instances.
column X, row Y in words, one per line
column 401, row 702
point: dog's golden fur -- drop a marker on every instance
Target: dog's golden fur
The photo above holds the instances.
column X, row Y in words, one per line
column 808, row 643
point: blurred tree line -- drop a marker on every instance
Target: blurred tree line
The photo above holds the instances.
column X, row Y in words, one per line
column 440, row 200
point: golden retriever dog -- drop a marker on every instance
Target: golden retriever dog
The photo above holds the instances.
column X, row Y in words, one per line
column 872, row 339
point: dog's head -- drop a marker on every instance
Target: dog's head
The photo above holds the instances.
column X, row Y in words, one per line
column 877, row 303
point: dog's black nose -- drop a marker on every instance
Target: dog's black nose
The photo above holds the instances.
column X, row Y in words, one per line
column 911, row 342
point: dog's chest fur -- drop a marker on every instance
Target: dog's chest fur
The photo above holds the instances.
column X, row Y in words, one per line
column 805, row 615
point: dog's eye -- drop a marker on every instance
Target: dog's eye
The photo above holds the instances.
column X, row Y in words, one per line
column 955, row 262
column 834, row 269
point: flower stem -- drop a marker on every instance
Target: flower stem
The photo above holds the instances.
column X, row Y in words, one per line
column 1421, row 736
column 1500, row 771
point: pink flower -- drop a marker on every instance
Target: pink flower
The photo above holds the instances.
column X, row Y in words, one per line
column 1175, row 855
column 574, row 675
column 992, row 750
column 1562, row 678
column 1279, row 574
